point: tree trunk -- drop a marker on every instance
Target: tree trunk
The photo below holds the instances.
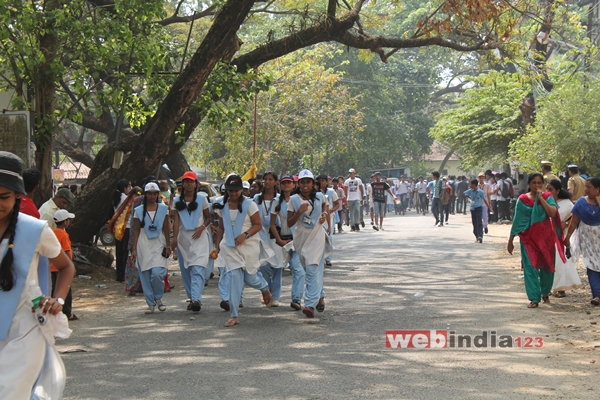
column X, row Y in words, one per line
column 178, row 165
column 445, row 160
column 159, row 141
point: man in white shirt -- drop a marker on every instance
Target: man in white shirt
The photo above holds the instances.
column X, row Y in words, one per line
column 63, row 199
column 402, row 188
column 421, row 188
column 355, row 192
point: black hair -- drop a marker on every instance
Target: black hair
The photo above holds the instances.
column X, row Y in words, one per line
column 220, row 206
column 313, row 193
column 532, row 176
column 7, row 278
column 143, row 219
column 562, row 193
column 574, row 170
column 474, row 182
column 595, row 182
column 436, row 174
column 262, row 192
column 73, row 189
column 31, row 178
column 180, row 205
column 122, row 184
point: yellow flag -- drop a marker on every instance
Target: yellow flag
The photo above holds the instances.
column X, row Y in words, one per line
column 251, row 174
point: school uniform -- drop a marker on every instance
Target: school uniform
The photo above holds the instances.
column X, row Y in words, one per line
column 312, row 244
column 271, row 269
column 290, row 254
column 193, row 254
column 151, row 242
column 242, row 263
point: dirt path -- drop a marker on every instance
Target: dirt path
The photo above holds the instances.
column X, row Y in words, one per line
column 118, row 352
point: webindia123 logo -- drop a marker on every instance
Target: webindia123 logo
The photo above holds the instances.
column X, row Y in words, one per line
column 449, row 339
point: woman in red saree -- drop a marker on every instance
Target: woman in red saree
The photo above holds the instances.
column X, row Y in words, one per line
column 537, row 223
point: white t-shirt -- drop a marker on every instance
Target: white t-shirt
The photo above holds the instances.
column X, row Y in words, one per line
column 402, row 187
column 354, row 186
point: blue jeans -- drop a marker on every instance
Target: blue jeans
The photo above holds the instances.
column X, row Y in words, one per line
column 354, row 211
column 477, row 222
column 437, row 209
column 153, row 284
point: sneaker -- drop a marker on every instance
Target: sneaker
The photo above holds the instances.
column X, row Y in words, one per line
column 375, row 227
column 362, row 223
column 357, row 228
column 195, row 306
column 161, row 306
column 485, row 230
column 352, row 228
column 381, row 228
column 189, row 306
column 595, row 301
column 480, row 240
column 295, row 304
column 150, row 310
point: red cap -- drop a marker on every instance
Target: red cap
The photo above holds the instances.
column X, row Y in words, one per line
column 190, row 175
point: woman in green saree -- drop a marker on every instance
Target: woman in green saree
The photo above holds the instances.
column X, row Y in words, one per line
column 537, row 223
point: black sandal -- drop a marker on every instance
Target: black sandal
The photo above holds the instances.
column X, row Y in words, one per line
column 321, row 305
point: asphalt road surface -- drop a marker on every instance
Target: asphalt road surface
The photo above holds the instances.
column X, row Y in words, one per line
column 412, row 276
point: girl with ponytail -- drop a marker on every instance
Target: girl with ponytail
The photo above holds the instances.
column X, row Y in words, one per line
column 23, row 239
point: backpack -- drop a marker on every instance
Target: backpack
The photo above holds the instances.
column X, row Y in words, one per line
column 505, row 189
column 445, row 196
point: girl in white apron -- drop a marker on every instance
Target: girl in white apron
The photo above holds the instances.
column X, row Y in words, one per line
column 239, row 245
column 151, row 246
column 272, row 268
column 284, row 238
column 30, row 366
column 308, row 211
column 333, row 204
column 191, row 237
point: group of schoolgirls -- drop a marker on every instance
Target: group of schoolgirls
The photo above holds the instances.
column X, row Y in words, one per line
column 254, row 240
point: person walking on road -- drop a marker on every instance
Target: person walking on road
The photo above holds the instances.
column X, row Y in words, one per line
column 308, row 212
column 239, row 246
column 576, row 183
column 586, row 218
column 191, row 238
column 379, row 189
column 537, row 223
column 151, row 250
column 478, row 199
column 354, row 191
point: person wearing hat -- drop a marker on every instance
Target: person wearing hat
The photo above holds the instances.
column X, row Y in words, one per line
column 192, row 238
column 307, row 211
column 25, row 359
column 239, row 246
column 151, row 249
column 354, row 193
column 576, row 184
column 61, row 201
column 547, row 172
column 63, row 218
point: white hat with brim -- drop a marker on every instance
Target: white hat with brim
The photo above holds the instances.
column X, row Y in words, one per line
column 151, row 187
column 306, row 174
column 61, row 215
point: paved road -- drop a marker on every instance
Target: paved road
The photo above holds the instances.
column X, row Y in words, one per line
column 467, row 287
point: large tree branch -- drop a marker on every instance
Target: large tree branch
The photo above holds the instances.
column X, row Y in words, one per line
column 176, row 19
column 73, row 152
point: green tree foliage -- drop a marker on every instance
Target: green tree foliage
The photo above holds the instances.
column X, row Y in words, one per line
column 305, row 116
column 567, row 128
column 485, row 121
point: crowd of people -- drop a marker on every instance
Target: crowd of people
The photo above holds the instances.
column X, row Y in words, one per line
column 254, row 229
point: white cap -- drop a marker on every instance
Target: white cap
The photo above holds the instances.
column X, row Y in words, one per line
column 572, row 166
column 246, row 185
column 151, row 187
column 61, row 215
column 306, row 174
column 351, row 170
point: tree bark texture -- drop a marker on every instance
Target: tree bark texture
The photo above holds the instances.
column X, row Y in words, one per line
column 159, row 141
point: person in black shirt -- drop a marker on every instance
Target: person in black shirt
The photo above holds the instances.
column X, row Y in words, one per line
column 379, row 189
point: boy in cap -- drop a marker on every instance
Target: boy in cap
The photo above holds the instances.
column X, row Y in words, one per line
column 62, row 218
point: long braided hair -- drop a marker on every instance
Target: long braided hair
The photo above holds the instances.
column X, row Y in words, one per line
column 180, row 205
column 221, row 206
column 7, row 279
